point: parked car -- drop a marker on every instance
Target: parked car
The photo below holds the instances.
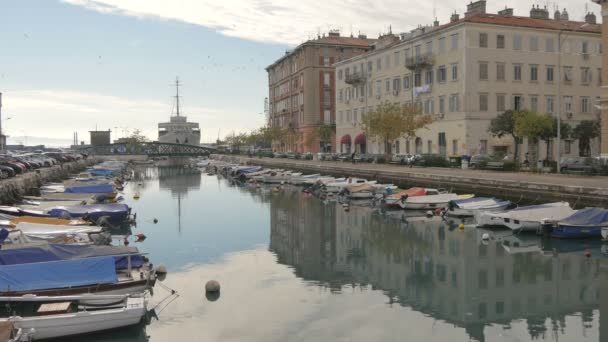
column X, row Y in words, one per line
column 17, row 167
column 579, row 164
column 479, row 161
column 6, row 172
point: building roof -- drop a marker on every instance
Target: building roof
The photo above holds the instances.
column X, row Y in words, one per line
column 515, row 21
column 331, row 40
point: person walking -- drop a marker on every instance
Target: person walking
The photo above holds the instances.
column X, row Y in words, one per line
column 352, row 157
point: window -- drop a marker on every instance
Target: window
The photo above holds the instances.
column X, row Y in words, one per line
column 455, row 147
column 406, row 82
column 533, row 43
column 516, row 72
column 483, row 71
column 429, row 146
column 534, row 103
column 500, row 41
column 500, row 71
column 369, row 67
column 417, row 79
column 454, row 72
column 518, row 102
column 348, row 116
column 567, row 146
column 387, row 61
column 355, row 115
column 550, row 73
column 387, row 84
column 454, row 38
column 441, row 74
column 483, row 146
column 585, row 76
column 417, row 51
column 550, row 104
column 517, row 42
column 534, row 73
column 568, row 104
column 428, row 106
column 340, row 119
column 500, row 103
column 585, row 47
column 550, row 45
column 379, row 64
column 378, row 88
column 441, row 44
column 441, row 104
column 483, row 40
column 396, row 61
column 429, row 48
column 585, row 104
column 326, row 61
column 599, row 76
column 568, row 74
column 340, row 74
column 483, row 102
column 340, row 96
column 428, row 77
column 397, row 146
column 396, row 85
column 454, row 105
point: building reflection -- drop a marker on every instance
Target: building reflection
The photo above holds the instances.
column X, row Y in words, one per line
column 435, row 268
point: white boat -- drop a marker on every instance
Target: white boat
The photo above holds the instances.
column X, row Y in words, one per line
column 278, row 178
column 468, row 207
column 398, row 199
column 299, row 180
column 432, row 201
column 339, row 185
column 529, row 218
column 360, row 191
column 605, row 233
column 61, row 316
column 78, row 234
column 9, row 333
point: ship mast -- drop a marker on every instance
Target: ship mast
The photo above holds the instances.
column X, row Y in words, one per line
column 177, row 95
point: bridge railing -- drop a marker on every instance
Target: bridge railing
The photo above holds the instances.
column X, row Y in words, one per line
column 148, row 148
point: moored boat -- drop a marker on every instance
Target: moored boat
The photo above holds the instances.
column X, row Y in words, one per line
column 529, row 218
column 432, row 201
column 398, row 199
column 468, row 207
column 585, row 223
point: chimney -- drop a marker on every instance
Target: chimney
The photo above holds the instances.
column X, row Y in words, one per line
column 334, row 33
column 507, row 12
column 557, row 15
column 362, row 36
column 455, row 17
column 478, row 7
column 564, row 16
column 539, row 13
column 590, row 18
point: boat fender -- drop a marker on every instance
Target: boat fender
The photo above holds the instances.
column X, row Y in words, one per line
column 136, row 196
column 155, row 220
column 587, row 253
column 485, row 236
column 461, row 226
column 125, row 241
column 438, row 211
column 140, row 237
column 429, row 213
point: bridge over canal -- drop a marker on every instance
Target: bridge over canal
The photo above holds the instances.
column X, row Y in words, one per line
column 150, row 149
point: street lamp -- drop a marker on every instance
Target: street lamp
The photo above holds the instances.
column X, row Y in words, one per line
column 559, row 92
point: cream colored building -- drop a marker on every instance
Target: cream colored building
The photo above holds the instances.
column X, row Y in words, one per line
column 604, row 100
column 469, row 70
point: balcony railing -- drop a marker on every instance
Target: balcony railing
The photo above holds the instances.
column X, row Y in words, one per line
column 419, row 62
column 355, row 78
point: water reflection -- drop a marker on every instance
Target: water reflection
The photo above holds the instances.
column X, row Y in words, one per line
column 445, row 273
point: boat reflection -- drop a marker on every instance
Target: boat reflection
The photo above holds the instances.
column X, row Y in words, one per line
column 426, row 264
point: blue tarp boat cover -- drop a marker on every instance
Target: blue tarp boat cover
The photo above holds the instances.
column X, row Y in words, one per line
column 117, row 212
column 90, row 189
column 102, row 172
column 586, row 218
column 473, row 200
column 58, row 274
column 55, row 252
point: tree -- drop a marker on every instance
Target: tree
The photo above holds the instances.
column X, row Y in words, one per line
column 391, row 121
column 584, row 132
column 504, row 124
column 322, row 133
column 534, row 126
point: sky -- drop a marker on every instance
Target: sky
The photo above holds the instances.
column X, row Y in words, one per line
column 78, row 65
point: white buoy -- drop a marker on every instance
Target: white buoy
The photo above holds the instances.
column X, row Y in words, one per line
column 485, row 236
column 429, row 213
column 212, row 286
column 161, row 269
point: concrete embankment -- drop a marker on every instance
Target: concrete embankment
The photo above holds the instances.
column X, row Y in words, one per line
column 12, row 189
column 525, row 188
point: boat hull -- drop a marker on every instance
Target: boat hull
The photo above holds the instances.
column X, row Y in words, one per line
column 84, row 322
column 577, row 232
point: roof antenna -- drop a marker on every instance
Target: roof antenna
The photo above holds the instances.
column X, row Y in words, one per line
column 435, row 9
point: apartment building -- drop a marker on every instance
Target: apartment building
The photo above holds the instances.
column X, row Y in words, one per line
column 302, row 89
column 469, row 70
column 604, row 99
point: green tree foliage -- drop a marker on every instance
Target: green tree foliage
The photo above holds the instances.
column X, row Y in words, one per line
column 504, row 124
column 322, row 133
column 584, row 132
column 391, row 121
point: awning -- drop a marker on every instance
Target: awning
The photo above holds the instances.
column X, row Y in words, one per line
column 345, row 139
column 360, row 139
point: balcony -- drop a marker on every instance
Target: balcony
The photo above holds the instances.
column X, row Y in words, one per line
column 419, row 62
column 355, row 78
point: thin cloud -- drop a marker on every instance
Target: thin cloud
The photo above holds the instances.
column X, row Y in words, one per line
column 291, row 22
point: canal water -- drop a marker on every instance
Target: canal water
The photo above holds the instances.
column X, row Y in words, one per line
column 293, row 268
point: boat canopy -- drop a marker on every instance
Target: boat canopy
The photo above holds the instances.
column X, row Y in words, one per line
column 587, row 217
column 363, row 187
column 91, row 189
column 58, row 274
column 55, row 252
